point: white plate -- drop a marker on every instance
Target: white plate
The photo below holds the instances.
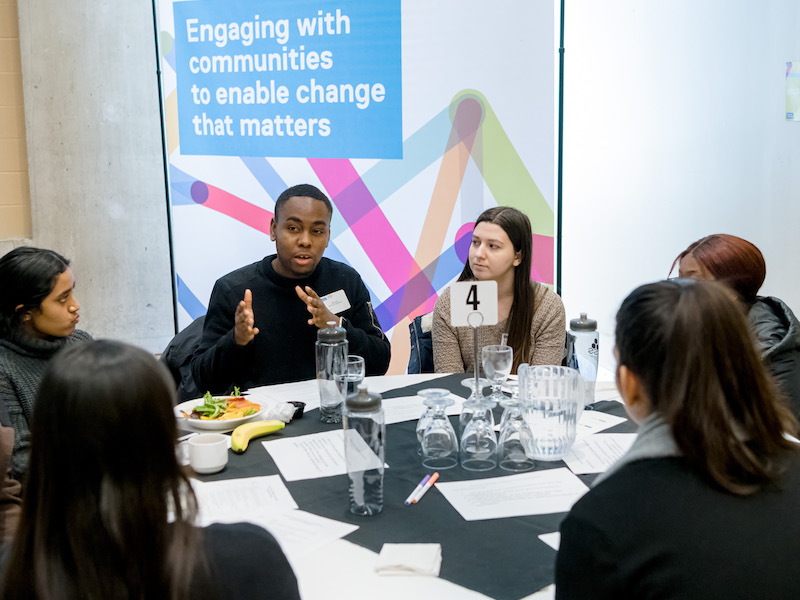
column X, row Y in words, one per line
column 229, row 424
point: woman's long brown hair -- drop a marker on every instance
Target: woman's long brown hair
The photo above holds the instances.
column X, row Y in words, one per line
column 518, row 228
column 690, row 345
column 107, row 511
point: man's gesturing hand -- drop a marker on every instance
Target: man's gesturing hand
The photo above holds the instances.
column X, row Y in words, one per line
column 244, row 320
column 320, row 315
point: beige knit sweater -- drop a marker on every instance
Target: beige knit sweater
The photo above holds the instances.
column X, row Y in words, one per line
column 453, row 348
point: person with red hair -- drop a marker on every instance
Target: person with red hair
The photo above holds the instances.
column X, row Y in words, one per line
column 740, row 265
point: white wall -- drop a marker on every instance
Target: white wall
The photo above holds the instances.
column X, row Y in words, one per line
column 674, row 129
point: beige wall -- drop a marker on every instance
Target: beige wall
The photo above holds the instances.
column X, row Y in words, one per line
column 15, row 208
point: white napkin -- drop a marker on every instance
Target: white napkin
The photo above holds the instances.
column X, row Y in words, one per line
column 409, row 559
column 273, row 409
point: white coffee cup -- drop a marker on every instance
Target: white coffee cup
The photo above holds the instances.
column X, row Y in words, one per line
column 207, row 452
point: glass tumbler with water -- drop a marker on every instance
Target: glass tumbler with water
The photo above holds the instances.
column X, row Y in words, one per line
column 364, row 451
column 553, row 400
column 348, row 381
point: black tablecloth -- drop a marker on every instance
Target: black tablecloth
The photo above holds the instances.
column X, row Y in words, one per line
column 501, row 558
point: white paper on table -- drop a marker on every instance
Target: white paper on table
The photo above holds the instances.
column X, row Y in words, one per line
column 343, row 569
column 596, row 453
column 537, row 493
column 592, row 421
column 236, row 498
column 298, row 532
column 552, row 539
column 511, row 385
column 546, row 593
column 410, row 408
column 317, row 455
column 299, row 391
column 605, row 390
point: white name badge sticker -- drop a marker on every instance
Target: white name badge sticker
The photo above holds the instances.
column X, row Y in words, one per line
column 473, row 303
column 336, row 302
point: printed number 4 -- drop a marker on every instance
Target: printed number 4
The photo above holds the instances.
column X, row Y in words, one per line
column 472, row 297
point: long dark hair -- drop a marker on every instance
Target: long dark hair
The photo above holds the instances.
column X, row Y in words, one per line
column 27, row 276
column 104, row 483
column 690, row 345
column 731, row 260
column 518, row 229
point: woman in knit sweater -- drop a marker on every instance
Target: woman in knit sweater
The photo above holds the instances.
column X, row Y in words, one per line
column 531, row 314
column 38, row 316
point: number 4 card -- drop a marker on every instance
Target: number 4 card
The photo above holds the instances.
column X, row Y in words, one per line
column 473, row 303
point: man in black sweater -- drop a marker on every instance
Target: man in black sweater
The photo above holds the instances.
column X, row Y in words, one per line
column 262, row 319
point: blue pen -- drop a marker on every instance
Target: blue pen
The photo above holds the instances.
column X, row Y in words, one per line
column 417, row 489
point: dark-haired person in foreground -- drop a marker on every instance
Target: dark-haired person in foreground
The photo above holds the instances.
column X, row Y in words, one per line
column 704, row 504
column 109, row 513
column 262, row 319
column 38, row 317
column 740, row 265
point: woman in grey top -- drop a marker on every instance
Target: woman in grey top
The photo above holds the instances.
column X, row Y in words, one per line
column 38, row 317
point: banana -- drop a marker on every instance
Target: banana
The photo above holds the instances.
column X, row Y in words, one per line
column 242, row 435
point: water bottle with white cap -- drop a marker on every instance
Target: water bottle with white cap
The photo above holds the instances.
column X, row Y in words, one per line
column 586, row 352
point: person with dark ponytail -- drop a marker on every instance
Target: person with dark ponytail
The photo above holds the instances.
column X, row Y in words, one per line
column 740, row 265
column 529, row 312
column 38, row 317
column 108, row 511
column 704, row 504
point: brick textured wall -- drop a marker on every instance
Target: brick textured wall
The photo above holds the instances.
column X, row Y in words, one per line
column 15, row 208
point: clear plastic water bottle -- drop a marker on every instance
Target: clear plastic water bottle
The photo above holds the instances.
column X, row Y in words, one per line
column 331, row 349
column 586, row 352
column 364, row 450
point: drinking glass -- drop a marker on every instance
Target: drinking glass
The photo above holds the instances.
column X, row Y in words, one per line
column 515, row 438
column 472, row 403
column 439, row 443
column 513, row 386
column 497, row 361
column 475, row 393
column 427, row 414
column 552, row 399
column 478, row 442
column 353, row 375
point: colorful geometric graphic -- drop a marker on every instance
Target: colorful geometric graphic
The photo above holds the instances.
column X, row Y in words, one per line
column 404, row 224
column 475, row 135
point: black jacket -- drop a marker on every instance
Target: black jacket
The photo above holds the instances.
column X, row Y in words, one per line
column 777, row 334
column 656, row 529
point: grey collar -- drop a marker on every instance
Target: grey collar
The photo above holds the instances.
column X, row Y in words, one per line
column 653, row 440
